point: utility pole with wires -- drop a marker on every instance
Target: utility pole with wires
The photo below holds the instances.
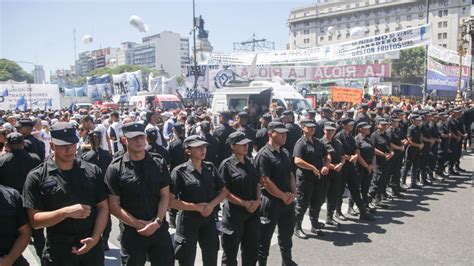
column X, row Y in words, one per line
column 254, row 44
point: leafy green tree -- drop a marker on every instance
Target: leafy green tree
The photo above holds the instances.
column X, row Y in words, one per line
column 410, row 67
column 11, row 70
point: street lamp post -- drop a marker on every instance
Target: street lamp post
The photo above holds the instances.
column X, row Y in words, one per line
column 462, row 50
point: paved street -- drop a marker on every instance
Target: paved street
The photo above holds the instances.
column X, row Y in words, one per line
column 433, row 226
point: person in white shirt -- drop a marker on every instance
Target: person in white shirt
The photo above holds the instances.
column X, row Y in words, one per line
column 151, row 121
column 114, row 133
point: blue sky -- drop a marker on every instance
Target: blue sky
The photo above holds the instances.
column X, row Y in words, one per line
column 42, row 31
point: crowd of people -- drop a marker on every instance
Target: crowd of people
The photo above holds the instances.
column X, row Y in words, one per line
column 221, row 180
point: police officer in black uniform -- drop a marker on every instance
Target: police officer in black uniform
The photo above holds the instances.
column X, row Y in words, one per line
column 102, row 159
column 333, row 179
column 278, row 194
column 326, row 114
column 398, row 148
column 68, row 197
column 443, row 149
column 413, row 153
column 213, row 146
column 362, row 115
column 176, row 149
column 365, row 166
column 383, row 156
column 435, row 136
column 222, row 132
column 152, row 135
column 240, row 216
column 14, row 167
column 261, row 137
column 139, row 196
column 294, row 132
column 197, row 189
column 15, row 231
column 250, row 133
column 312, row 162
column 32, row 144
column 428, row 142
column 349, row 173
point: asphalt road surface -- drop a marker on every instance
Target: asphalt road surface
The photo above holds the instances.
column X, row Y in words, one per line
column 432, row 226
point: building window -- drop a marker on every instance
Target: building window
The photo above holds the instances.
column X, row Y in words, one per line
column 377, row 31
column 339, row 19
column 321, row 21
column 440, row 13
column 387, row 30
column 339, row 36
column 440, row 36
column 321, row 38
column 445, row 12
column 348, row 6
column 306, row 23
column 444, row 45
column 440, row 24
column 348, row 25
column 306, row 32
column 409, row 17
column 387, row 19
column 321, row 31
column 445, row 24
column 397, row 18
column 357, row 23
column 348, row 35
column 367, row 23
column 421, row 15
column 330, row 38
column 377, row 22
column 445, row 35
column 357, row 4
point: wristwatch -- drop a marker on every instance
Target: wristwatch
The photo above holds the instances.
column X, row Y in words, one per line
column 158, row 220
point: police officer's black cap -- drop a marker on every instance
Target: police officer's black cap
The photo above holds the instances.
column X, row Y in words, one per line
column 151, row 132
column 396, row 110
column 14, row 138
column 444, row 114
column 424, row 112
column 347, row 121
column 288, row 113
column 238, row 138
column 312, row 112
column 307, row 123
column 193, row 142
column 363, row 125
column 325, row 109
column 205, row 125
column 243, row 114
column 350, row 111
column 267, row 116
column 133, row 129
column 277, row 127
column 63, row 133
column 25, row 122
column 226, row 114
column 364, row 105
column 330, row 126
column 395, row 118
column 381, row 120
column 339, row 112
column 415, row 117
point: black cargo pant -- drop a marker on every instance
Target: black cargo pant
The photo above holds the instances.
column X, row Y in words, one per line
column 380, row 179
column 244, row 230
column 442, row 159
column 58, row 248
column 433, row 157
column 353, row 181
column 365, row 181
column 333, row 194
column 395, row 172
column 135, row 248
column 38, row 240
column 274, row 212
column 424, row 164
column 455, row 155
column 311, row 191
column 412, row 160
column 192, row 228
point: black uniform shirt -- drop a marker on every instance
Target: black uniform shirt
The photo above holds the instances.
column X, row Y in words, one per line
column 12, row 217
column 191, row 186
column 364, row 144
column 261, row 138
column 241, row 179
column 382, row 143
column 426, row 131
column 15, row 166
column 176, row 151
column 101, row 158
column 212, row 148
column 395, row 137
column 276, row 165
column 250, row 133
column 47, row 188
column 319, row 130
column 348, row 142
column 443, row 129
column 334, row 148
column 138, row 184
column 434, row 131
column 34, row 145
column 153, row 147
column 292, row 137
column 311, row 151
column 414, row 133
column 221, row 133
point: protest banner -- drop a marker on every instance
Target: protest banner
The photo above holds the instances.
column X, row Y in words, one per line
column 29, row 96
column 350, row 95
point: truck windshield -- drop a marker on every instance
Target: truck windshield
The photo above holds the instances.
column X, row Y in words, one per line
column 298, row 104
column 171, row 105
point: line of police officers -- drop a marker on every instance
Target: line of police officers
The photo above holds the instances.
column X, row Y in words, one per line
column 296, row 167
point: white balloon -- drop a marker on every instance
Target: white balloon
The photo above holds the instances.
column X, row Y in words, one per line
column 331, row 30
column 86, row 39
column 357, row 32
column 138, row 23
